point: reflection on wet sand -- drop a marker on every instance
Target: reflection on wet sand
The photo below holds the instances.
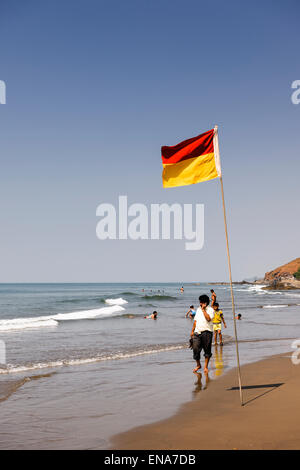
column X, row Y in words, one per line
column 199, row 385
column 218, row 360
column 202, row 378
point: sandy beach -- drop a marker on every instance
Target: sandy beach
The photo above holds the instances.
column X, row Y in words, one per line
column 269, row 419
column 78, row 384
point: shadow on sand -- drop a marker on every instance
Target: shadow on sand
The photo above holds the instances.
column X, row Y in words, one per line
column 271, row 387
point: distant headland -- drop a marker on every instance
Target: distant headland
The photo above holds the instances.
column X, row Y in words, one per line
column 284, row 277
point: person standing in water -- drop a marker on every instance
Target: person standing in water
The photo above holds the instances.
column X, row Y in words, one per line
column 202, row 332
column 213, row 297
column 217, row 323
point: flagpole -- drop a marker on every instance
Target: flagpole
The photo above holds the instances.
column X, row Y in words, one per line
column 219, row 171
column 232, row 296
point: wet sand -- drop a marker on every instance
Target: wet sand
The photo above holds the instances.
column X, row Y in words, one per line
column 269, row 418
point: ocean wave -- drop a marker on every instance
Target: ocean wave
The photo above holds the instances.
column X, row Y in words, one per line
column 80, row 300
column 10, row 387
column 87, row 314
column 146, row 305
column 263, row 340
column 118, row 301
column 26, row 323
column 133, row 315
column 275, row 306
column 158, row 297
column 151, row 349
column 261, row 291
column 255, row 307
column 128, row 293
column 52, row 320
column 115, row 356
column 256, row 288
column 269, row 323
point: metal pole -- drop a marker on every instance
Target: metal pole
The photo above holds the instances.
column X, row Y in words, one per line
column 232, row 297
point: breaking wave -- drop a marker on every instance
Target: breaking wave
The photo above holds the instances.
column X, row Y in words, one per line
column 151, row 349
column 52, row 320
column 118, row 301
column 158, row 297
column 275, row 306
column 23, row 323
column 80, row 300
column 128, row 293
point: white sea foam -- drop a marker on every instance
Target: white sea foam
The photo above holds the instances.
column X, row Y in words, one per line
column 52, row 320
column 118, row 301
column 274, row 306
column 261, row 291
column 257, row 288
column 86, row 314
column 26, row 323
column 10, row 369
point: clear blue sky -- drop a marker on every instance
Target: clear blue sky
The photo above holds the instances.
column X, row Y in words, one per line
column 94, row 88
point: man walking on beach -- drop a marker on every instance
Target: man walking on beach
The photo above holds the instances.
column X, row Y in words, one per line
column 202, row 332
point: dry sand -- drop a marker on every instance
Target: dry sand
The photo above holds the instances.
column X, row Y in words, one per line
column 269, row 419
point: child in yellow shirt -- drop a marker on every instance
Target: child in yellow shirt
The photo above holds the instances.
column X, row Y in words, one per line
column 217, row 323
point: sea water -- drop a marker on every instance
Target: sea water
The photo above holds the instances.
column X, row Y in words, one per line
column 82, row 362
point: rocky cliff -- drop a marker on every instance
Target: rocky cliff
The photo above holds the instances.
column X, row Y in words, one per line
column 283, row 272
column 282, row 278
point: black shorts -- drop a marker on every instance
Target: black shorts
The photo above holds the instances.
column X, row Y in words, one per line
column 202, row 341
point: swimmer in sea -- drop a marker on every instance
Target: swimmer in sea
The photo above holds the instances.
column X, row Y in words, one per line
column 191, row 313
column 153, row 316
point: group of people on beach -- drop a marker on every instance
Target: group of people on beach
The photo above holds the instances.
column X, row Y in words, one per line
column 207, row 322
column 217, row 320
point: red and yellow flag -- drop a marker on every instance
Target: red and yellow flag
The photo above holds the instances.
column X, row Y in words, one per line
column 192, row 161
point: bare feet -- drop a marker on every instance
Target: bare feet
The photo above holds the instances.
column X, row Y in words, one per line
column 206, row 370
column 197, row 368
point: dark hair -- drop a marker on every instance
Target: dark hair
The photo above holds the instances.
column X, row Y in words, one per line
column 155, row 311
column 211, row 290
column 191, row 306
column 216, row 304
column 204, row 299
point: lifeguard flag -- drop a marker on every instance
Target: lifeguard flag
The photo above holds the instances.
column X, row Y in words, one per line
column 192, row 161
